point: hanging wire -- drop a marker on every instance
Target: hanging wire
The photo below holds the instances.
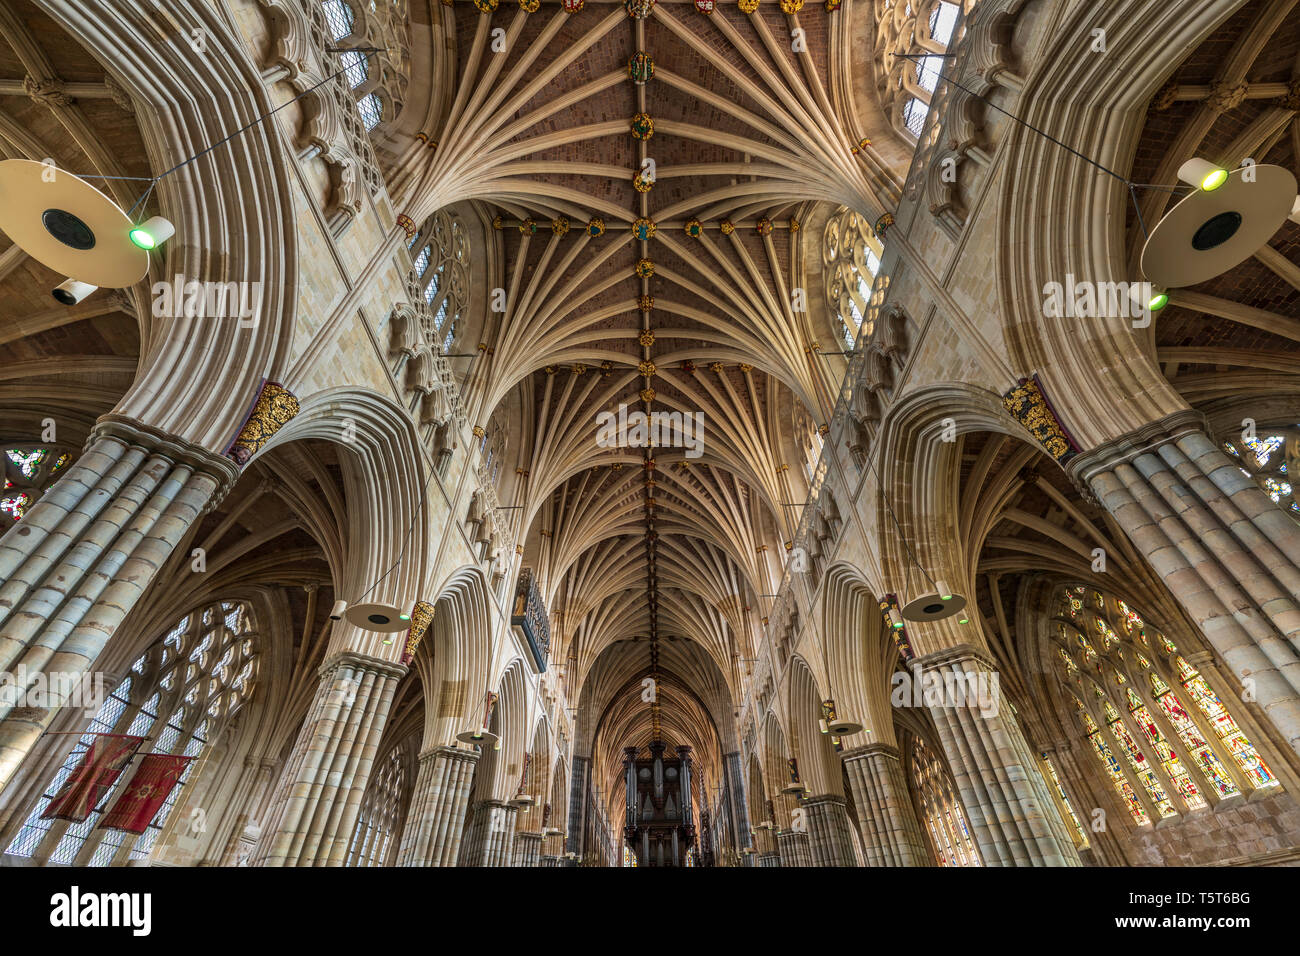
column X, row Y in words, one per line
column 1132, row 186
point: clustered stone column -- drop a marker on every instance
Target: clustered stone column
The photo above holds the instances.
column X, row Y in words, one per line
column 1007, row 804
column 437, row 816
column 528, row 848
column 793, row 845
column 325, row 779
column 85, row 552
column 891, row 832
column 490, row 840
column 577, row 808
column 1225, row 550
column 830, row 837
column 739, row 809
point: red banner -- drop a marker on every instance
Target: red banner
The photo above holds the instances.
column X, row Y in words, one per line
column 101, row 765
column 155, row 776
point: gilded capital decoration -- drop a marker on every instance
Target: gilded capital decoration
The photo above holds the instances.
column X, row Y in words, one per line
column 899, row 634
column 421, row 618
column 275, row 407
column 1029, row 406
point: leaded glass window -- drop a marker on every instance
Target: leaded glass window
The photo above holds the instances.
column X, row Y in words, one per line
column 180, row 694
column 851, row 254
column 1270, row 458
column 1132, row 692
column 441, row 276
column 940, row 810
column 379, row 825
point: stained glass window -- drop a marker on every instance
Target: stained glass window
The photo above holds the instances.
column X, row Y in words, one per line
column 1269, row 458
column 172, row 695
column 945, row 822
column 1241, row 749
column 1113, row 769
column 1169, row 759
column 1195, row 748
column 1201, row 753
column 1137, row 761
column 1081, row 837
column 28, row 472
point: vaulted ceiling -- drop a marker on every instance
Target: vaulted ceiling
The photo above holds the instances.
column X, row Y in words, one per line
column 655, row 173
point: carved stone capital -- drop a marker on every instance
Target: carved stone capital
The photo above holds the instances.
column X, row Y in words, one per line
column 172, row 447
column 1087, row 465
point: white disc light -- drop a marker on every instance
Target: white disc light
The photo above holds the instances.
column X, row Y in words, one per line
column 1217, row 228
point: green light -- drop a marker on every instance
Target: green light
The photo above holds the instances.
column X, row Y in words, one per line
column 1158, row 301
column 898, row 626
column 946, row 597
column 1214, row 179
column 142, row 238
column 963, row 620
column 404, row 617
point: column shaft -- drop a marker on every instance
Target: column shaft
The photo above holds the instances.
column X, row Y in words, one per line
column 891, row 832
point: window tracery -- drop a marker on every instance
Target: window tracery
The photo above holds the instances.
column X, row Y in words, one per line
column 1125, row 676
column 851, row 255
column 940, row 810
column 181, row 694
column 379, row 824
column 923, row 31
column 440, row 277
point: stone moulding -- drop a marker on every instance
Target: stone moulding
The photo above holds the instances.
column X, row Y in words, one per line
column 1029, row 405
column 274, row 407
column 178, row 450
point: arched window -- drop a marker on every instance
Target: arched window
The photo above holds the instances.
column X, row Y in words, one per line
column 1270, row 458
column 920, row 30
column 940, row 810
column 1130, row 688
column 28, row 472
column 180, row 694
column 851, row 253
column 376, row 82
column 440, row 253
column 339, row 18
column 379, row 824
